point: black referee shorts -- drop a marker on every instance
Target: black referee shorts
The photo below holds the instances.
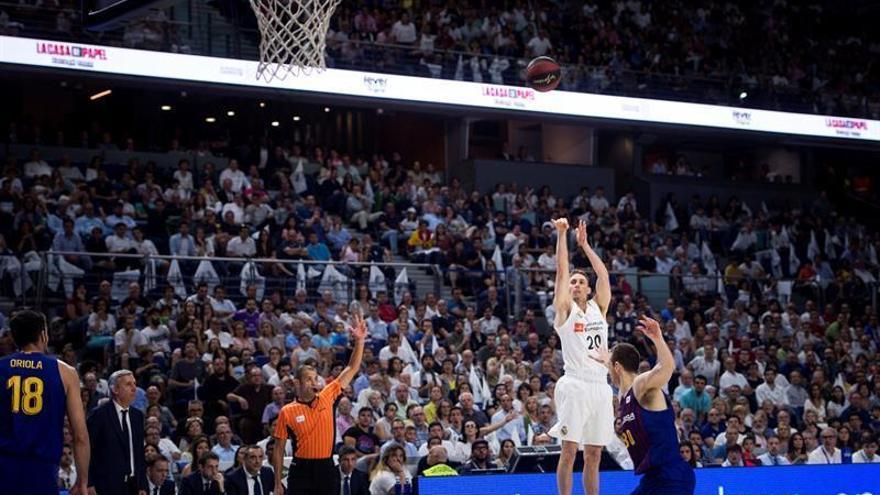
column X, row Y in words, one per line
column 312, row 477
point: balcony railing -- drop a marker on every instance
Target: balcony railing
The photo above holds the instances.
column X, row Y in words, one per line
column 208, row 33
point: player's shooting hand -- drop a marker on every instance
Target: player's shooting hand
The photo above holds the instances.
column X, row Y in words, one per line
column 651, row 328
column 561, row 224
column 582, row 235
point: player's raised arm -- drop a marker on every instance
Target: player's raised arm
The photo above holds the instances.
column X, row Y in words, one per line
column 603, row 285
column 562, row 291
column 660, row 374
column 77, row 418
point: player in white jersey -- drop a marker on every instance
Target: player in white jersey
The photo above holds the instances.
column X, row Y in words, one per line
column 584, row 409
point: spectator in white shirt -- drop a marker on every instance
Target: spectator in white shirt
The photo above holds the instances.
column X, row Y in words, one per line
column 129, row 341
column 236, row 207
column 706, row 365
column 539, row 45
column 628, row 199
column 664, row 262
column 599, row 203
column 404, row 31
column 70, row 171
column 222, row 306
column 868, row 455
column 827, row 453
column 682, row 327
column 119, row 241
column 770, row 391
column 183, row 175
column 36, row 167
column 772, row 457
column 731, row 377
column 242, row 246
column 236, row 176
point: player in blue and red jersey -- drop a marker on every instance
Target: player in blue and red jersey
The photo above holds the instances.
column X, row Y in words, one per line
column 36, row 391
column 647, row 418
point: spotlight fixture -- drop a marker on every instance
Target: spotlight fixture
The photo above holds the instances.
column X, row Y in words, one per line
column 210, row 120
column 275, row 123
column 296, row 118
column 165, row 108
column 100, row 95
column 743, row 95
column 230, row 113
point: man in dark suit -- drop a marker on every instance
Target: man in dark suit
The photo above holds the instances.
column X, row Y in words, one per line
column 158, row 482
column 351, row 481
column 209, row 479
column 251, row 478
column 116, row 433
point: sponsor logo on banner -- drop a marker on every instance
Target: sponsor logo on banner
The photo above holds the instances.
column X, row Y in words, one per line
column 231, row 71
column 741, row 117
column 509, row 96
column 638, row 108
column 375, row 84
column 72, row 54
column 846, row 127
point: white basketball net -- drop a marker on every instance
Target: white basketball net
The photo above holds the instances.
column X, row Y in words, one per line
column 293, row 36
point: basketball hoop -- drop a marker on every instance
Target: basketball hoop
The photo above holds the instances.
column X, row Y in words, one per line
column 293, row 36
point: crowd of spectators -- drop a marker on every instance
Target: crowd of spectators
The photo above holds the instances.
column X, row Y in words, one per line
column 808, row 57
column 766, row 375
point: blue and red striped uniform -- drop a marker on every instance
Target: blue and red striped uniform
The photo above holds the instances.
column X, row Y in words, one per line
column 32, row 408
column 652, row 442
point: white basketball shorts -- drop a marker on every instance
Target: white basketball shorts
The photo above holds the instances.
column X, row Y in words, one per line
column 584, row 412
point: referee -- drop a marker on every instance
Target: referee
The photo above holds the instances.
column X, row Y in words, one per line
column 309, row 422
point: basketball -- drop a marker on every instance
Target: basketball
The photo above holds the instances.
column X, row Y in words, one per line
column 543, row 74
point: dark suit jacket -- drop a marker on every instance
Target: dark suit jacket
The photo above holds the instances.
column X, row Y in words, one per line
column 107, row 467
column 167, row 488
column 193, row 485
column 236, row 481
column 359, row 483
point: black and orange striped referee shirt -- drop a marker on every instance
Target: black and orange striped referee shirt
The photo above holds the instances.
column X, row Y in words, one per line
column 311, row 427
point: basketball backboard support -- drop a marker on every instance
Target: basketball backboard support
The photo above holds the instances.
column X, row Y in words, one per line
column 101, row 15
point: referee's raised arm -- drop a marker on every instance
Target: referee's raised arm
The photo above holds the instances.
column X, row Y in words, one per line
column 359, row 332
column 310, row 420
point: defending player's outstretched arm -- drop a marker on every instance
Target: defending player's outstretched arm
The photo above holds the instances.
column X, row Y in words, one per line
column 647, row 383
column 562, row 291
column 603, row 285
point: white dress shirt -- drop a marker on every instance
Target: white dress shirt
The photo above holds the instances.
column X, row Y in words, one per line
column 776, row 395
column 820, row 456
column 728, row 379
column 861, row 458
column 342, row 478
column 768, row 460
column 251, row 482
column 119, row 410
